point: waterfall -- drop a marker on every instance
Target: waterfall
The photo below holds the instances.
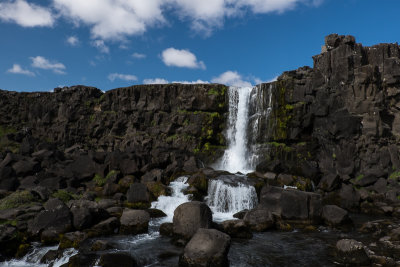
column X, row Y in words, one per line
column 234, row 159
column 249, row 111
column 168, row 204
column 225, row 199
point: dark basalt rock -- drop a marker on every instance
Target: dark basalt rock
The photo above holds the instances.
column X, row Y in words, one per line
column 208, row 247
column 190, row 216
column 134, row 222
column 335, row 216
column 350, row 251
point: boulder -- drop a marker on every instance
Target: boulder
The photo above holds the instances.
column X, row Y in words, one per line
column 54, row 220
column 291, row 204
column 134, row 222
column 167, row 229
column 208, row 247
column 259, row 220
column 236, row 228
column 352, row 252
column 137, row 193
column 335, row 216
column 104, row 228
column 190, row 216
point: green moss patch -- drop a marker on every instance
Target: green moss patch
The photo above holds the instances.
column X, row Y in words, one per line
column 17, row 199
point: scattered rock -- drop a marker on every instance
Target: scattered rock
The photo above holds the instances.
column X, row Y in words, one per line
column 190, row 216
column 335, row 216
column 208, row 247
column 134, row 222
column 350, row 251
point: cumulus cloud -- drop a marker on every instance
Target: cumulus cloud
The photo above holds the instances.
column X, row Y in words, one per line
column 73, row 40
column 26, row 14
column 101, row 46
column 113, row 19
column 138, row 55
column 17, row 69
column 43, row 63
column 155, row 81
column 191, row 82
column 231, row 78
column 126, row 77
column 181, row 58
column 119, row 19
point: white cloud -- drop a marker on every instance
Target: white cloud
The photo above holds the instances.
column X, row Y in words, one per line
column 26, row 14
column 138, row 55
column 43, row 63
column 113, row 19
column 73, row 40
column 99, row 44
column 119, row 19
column 126, row 77
column 17, row 69
column 181, row 58
column 231, row 78
column 155, row 81
column 191, row 82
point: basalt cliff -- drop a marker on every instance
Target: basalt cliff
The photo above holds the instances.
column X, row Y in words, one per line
column 333, row 130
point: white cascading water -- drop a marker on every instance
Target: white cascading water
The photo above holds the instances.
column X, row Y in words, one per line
column 168, row 204
column 32, row 258
column 234, row 159
column 225, row 200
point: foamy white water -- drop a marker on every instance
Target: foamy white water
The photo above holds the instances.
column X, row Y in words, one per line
column 168, row 204
column 225, row 200
column 234, row 159
column 32, row 258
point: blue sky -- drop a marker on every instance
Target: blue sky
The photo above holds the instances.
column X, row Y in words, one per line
column 117, row 43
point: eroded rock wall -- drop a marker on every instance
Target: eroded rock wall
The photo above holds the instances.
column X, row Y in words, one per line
column 339, row 120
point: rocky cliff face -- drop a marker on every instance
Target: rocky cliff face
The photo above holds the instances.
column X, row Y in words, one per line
column 156, row 123
column 339, row 121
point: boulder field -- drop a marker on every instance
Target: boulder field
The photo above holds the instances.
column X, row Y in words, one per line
column 79, row 163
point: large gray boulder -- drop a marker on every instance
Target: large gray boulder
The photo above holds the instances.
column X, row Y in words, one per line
column 134, row 221
column 208, row 247
column 291, row 204
column 350, row 251
column 259, row 220
column 335, row 216
column 189, row 217
column 54, row 220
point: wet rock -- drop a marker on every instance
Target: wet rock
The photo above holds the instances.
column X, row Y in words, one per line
column 101, row 245
column 350, row 251
column 51, row 256
column 117, row 259
column 134, row 222
column 72, row 240
column 240, row 214
column 82, row 259
column 156, row 213
column 335, row 216
column 236, row 229
column 208, row 247
column 190, row 216
column 259, row 220
column 104, row 228
column 167, row 229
